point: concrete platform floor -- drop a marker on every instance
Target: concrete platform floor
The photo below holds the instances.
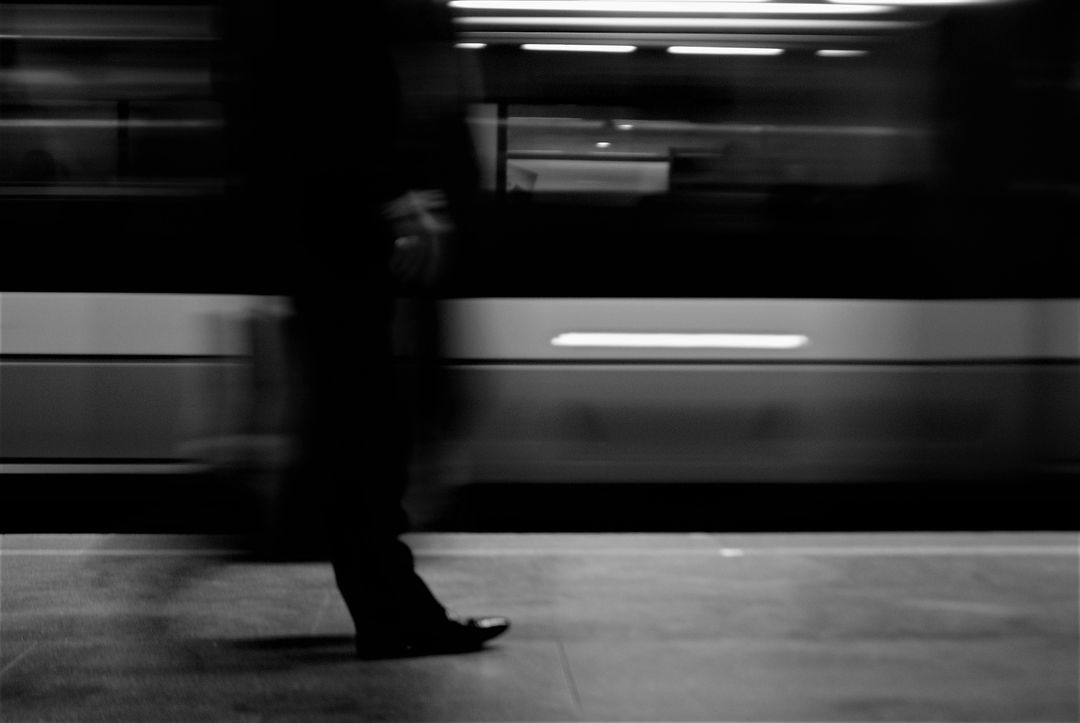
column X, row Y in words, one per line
column 618, row 627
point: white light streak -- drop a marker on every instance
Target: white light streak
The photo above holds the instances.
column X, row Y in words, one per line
column 653, row 6
column 706, row 50
column 680, row 341
column 574, row 48
column 828, row 53
column 603, row 144
column 674, row 23
column 470, row 46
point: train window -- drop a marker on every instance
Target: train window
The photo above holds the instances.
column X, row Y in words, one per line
column 111, row 146
column 174, row 141
column 892, row 151
column 819, row 149
column 95, row 95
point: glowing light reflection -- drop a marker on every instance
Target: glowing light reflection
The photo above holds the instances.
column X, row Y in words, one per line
column 652, row 6
column 573, row 48
column 706, row 50
column 680, row 341
column 674, row 23
column 829, row 53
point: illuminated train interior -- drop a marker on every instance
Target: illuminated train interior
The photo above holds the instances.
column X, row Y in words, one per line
column 716, row 242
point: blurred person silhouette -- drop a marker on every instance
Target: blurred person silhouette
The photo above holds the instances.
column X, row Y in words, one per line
column 351, row 166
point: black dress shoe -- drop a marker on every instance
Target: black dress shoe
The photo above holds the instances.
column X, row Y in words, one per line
column 455, row 635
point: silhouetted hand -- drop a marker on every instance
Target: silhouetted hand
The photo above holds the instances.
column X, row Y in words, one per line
column 421, row 227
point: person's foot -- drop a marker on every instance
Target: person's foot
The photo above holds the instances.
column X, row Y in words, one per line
column 456, row 635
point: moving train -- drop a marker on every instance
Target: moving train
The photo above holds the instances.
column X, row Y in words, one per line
column 717, row 242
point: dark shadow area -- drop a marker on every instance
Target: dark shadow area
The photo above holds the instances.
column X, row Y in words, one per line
column 760, row 507
column 205, row 505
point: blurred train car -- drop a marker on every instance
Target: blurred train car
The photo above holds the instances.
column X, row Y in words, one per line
column 121, row 343
column 717, row 242
column 770, row 242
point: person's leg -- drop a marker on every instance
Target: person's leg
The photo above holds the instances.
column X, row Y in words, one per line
column 357, row 456
column 358, row 446
column 368, row 471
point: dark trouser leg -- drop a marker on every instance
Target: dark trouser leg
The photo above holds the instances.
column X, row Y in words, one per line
column 359, row 455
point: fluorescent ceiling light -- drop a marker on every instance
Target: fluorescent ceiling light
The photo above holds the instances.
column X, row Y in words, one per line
column 670, row 23
column 676, row 6
column 470, row 46
column 840, row 53
column 680, row 341
column 574, row 48
column 706, row 50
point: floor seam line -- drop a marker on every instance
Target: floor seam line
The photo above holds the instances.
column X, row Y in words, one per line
column 575, row 694
column 18, row 658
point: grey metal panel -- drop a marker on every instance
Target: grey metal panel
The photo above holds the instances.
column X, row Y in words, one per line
column 113, row 324
column 135, row 410
column 747, row 422
column 836, row 329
